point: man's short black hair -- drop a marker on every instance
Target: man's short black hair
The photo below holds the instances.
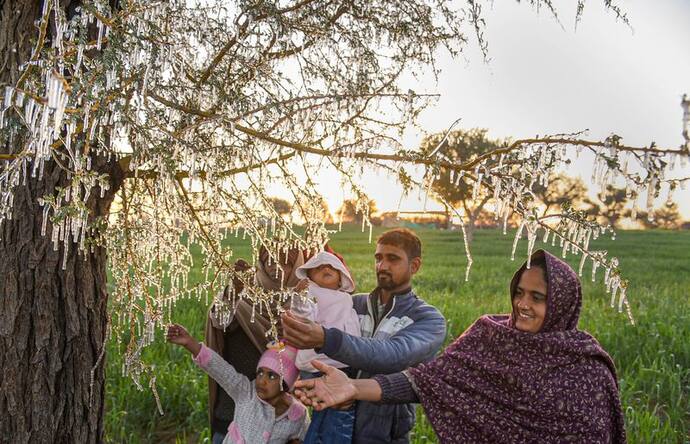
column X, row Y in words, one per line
column 402, row 238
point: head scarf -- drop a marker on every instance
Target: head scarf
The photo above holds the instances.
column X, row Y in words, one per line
column 499, row 384
column 272, row 281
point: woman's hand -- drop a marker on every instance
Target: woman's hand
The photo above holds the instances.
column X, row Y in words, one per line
column 301, row 285
column 333, row 389
column 240, row 266
column 178, row 335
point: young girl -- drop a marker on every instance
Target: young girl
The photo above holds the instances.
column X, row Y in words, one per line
column 264, row 410
column 330, row 285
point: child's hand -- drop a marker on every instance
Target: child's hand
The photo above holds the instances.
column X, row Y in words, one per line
column 178, row 335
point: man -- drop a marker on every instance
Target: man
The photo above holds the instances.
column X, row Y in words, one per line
column 399, row 330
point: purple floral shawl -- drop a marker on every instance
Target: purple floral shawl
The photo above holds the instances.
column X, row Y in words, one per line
column 499, row 384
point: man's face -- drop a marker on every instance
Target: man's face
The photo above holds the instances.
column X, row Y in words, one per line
column 393, row 268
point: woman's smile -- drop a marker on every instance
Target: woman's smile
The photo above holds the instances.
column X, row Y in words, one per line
column 526, row 316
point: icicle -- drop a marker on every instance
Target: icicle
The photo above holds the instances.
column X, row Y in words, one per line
column 8, row 96
column 517, row 238
column 531, row 239
column 565, row 244
column 621, row 297
column 477, row 185
column 651, row 190
column 628, row 311
column 582, row 263
column 99, row 40
column 614, row 291
column 595, row 264
column 44, row 222
column 467, row 251
column 65, row 251
column 505, row 220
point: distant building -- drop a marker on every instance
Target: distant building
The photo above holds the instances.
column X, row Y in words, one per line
column 438, row 219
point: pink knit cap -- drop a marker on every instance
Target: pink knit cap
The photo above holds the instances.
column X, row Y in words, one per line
column 280, row 358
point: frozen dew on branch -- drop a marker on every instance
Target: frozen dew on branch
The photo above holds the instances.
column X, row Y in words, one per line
column 199, row 136
column 518, row 233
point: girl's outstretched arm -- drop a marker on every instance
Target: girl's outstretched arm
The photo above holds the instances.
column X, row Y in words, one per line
column 235, row 384
column 178, row 335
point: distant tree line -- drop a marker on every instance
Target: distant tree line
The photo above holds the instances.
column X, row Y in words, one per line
column 611, row 205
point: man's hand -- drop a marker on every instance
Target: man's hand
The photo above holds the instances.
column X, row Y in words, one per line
column 333, row 389
column 301, row 333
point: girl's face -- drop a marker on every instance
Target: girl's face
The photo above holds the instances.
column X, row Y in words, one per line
column 325, row 276
column 529, row 300
column 267, row 384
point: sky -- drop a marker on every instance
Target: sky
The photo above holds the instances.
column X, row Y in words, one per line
column 546, row 77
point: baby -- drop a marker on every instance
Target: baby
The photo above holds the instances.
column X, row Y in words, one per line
column 330, row 285
column 264, row 410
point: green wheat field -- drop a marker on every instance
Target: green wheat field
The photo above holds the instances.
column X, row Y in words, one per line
column 652, row 357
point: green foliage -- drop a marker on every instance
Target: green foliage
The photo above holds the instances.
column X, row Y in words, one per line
column 666, row 217
column 611, row 205
column 353, row 210
column 281, row 206
column 562, row 190
column 458, row 147
column 652, row 357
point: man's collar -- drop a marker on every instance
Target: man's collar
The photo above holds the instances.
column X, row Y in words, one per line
column 377, row 292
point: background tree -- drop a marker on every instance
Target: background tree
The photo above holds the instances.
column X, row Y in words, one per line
column 281, row 206
column 130, row 131
column 666, row 217
column 456, row 147
column 611, row 204
column 561, row 189
column 354, row 211
column 325, row 213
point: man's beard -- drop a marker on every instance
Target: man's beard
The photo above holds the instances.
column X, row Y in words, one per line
column 387, row 283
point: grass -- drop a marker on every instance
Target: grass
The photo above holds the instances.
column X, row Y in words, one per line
column 652, row 357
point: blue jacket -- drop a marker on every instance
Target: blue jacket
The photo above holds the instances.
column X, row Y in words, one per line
column 412, row 332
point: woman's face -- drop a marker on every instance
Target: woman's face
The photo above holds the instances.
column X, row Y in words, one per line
column 529, row 300
column 272, row 268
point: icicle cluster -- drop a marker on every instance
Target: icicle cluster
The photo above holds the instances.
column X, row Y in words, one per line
column 196, row 126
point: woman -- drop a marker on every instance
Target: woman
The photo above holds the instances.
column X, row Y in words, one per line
column 530, row 376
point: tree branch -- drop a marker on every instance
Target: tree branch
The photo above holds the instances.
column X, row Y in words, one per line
column 152, row 174
column 419, row 159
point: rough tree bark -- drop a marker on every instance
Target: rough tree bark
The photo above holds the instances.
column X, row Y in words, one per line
column 52, row 321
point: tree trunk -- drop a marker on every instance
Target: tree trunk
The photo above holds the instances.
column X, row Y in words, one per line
column 52, row 321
